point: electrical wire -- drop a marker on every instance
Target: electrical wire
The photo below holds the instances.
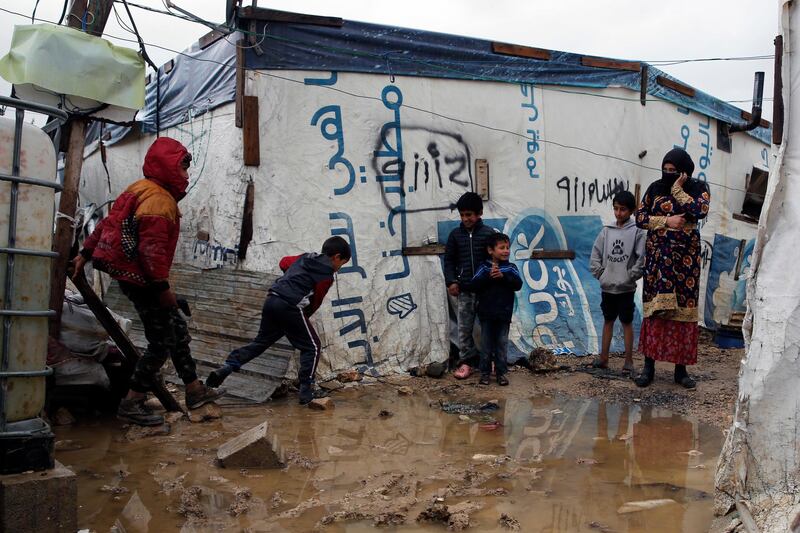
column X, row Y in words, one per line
column 63, row 12
column 33, row 15
column 150, row 62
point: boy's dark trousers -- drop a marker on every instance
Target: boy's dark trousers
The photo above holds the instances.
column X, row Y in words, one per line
column 494, row 346
column 279, row 318
column 167, row 336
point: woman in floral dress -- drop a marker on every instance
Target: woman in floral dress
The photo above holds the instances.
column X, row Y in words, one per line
column 669, row 212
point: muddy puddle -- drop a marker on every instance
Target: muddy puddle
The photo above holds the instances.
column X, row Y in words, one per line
column 401, row 462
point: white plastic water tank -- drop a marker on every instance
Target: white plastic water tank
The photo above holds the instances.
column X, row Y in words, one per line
column 31, row 279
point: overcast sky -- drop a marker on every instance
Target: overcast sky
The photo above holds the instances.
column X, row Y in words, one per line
column 629, row 29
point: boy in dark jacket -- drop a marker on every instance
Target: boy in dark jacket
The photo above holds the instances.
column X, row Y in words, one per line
column 291, row 300
column 135, row 244
column 495, row 282
column 618, row 261
column 464, row 252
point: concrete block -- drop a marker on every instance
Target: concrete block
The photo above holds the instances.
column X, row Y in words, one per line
column 39, row 502
column 255, row 448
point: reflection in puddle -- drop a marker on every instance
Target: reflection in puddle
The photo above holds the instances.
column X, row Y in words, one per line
column 560, row 465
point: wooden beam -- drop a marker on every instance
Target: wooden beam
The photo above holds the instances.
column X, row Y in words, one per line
column 553, row 254
column 520, row 51
column 240, row 81
column 428, row 249
column 777, row 95
column 637, row 194
column 64, row 237
column 210, row 38
column 273, row 15
column 246, row 235
column 250, row 137
column 602, row 62
column 675, row 86
column 126, row 347
column 643, row 85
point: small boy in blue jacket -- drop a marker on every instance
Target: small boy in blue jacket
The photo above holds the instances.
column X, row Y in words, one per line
column 495, row 283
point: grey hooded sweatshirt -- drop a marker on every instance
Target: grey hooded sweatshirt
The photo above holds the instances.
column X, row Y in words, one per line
column 618, row 257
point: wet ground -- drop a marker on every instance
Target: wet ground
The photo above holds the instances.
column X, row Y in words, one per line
column 537, row 463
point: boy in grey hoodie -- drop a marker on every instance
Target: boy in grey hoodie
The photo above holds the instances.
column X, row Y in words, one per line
column 618, row 261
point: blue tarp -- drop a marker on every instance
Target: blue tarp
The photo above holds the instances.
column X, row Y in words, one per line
column 204, row 79
column 376, row 49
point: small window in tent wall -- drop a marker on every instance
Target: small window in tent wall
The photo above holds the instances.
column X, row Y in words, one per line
column 756, row 190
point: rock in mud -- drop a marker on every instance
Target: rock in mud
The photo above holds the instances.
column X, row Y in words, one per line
column 459, row 515
column 321, row 404
column 435, row 512
column 135, row 432
column 209, row 411
column 68, row 445
column 509, row 522
column 173, row 417
column 405, row 391
column 190, row 506
column 241, row 502
column 385, row 413
column 255, row 448
column 349, row 376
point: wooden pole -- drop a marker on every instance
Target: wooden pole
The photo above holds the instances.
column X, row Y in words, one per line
column 119, row 337
column 95, row 21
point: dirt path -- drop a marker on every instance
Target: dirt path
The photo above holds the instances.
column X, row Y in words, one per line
column 711, row 402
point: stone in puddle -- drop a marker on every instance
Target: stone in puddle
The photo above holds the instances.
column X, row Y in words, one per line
column 321, row 404
column 63, row 417
column 209, row 411
column 255, row 448
column 349, row 376
column 405, row 391
column 173, row 417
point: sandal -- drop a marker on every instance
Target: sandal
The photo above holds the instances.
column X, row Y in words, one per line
column 462, row 372
column 484, row 379
column 598, row 363
column 628, row 369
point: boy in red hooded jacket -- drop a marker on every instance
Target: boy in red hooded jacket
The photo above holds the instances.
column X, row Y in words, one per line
column 135, row 244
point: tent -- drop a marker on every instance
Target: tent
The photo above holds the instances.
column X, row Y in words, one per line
column 316, row 126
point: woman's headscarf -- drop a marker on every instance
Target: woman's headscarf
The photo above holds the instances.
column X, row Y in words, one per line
column 683, row 163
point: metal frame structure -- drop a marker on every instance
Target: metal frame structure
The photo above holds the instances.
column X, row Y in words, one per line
column 32, row 428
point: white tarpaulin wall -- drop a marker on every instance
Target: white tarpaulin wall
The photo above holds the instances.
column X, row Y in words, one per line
column 758, row 469
column 381, row 162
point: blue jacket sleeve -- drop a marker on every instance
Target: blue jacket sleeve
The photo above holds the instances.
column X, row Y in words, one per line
column 511, row 276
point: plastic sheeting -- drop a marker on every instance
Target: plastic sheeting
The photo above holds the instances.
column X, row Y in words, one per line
column 204, row 79
column 45, row 55
column 376, row 49
column 760, row 462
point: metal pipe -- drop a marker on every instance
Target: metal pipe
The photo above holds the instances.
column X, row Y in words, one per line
column 15, row 312
column 31, row 106
column 25, row 251
column 31, row 181
column 8, row 284
column 28, row 373
column 755, row 114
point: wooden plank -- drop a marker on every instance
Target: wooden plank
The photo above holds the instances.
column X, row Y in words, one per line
column 250, row 137
column 240, row 66
column 643, row 85
column 428, row 249
column 637, row 194
column 744, row 218
column 210, row 38
column 602, row 62
column 274, row 15
column 246, row 235
column 777, row 94
column 520, row 51
column 675, row 86
column 553, row 254
column 764, row 123
column 122, row 341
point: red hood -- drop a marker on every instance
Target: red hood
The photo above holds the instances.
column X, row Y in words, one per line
column 162, row 164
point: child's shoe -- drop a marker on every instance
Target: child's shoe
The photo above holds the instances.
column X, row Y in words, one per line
column 502, row 380
column 203, row 396
column 484, row 379
column 137, row 412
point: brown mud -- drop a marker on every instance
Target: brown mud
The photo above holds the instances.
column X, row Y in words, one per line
column 565, row 451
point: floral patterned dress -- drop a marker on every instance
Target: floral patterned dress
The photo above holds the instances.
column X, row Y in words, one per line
column 672, row 271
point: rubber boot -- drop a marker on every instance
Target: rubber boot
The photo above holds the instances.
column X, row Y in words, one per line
column 682, row 377
column 648, row 373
